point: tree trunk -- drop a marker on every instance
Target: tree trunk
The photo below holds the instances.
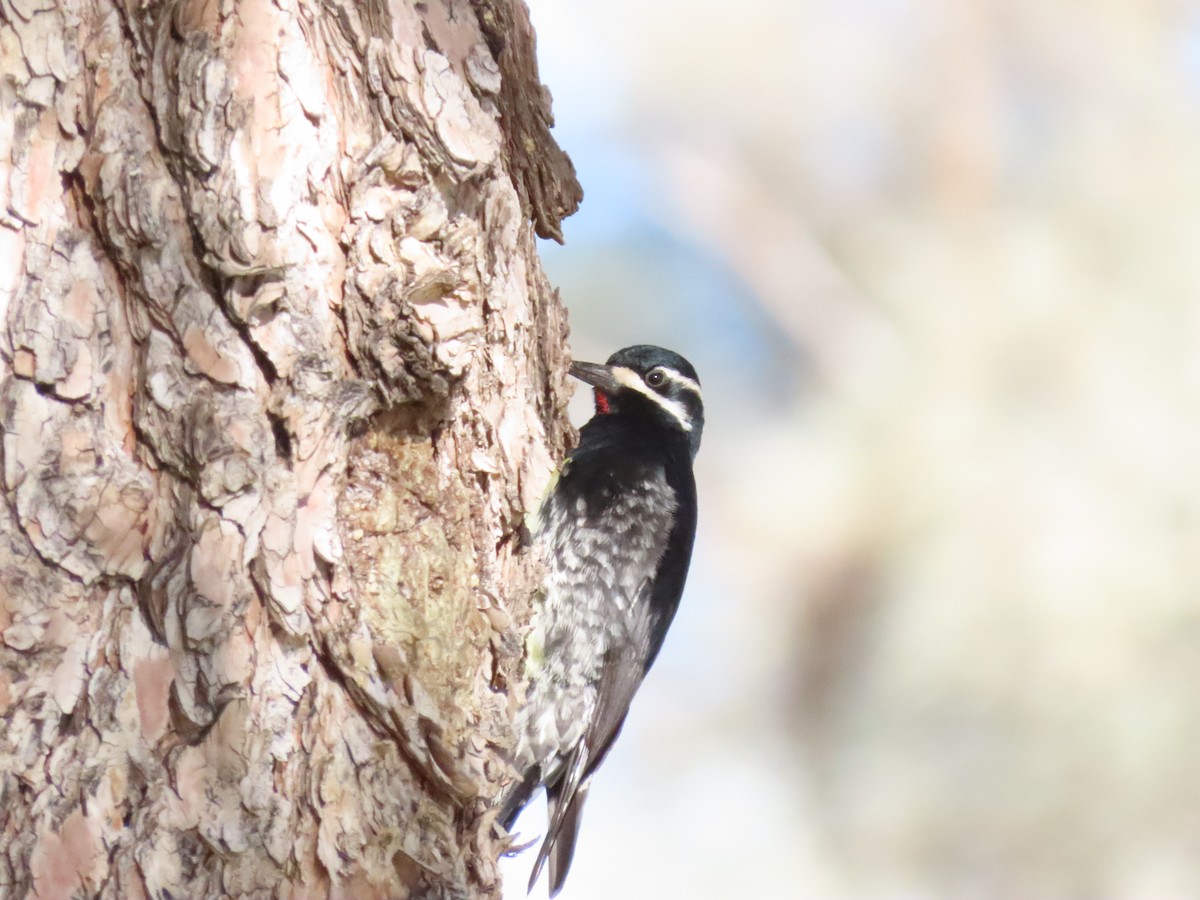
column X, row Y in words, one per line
column 279, row 376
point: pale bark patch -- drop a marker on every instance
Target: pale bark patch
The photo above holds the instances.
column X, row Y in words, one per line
column 68, row 860
column 152, row 682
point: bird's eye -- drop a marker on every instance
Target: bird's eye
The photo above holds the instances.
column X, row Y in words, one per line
column 655, row 378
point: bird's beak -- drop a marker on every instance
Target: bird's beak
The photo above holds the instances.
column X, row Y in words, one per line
column 597, row 376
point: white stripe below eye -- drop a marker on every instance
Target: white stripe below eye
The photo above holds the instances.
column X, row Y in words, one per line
column 683, row 381
column 632, row 380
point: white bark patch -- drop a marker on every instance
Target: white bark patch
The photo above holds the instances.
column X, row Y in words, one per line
column 470, row 136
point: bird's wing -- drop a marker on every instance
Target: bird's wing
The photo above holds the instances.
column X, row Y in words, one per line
column 621, row 675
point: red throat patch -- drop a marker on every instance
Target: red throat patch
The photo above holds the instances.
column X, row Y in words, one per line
column 602, row 406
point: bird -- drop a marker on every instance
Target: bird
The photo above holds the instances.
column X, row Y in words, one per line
column 616, row 530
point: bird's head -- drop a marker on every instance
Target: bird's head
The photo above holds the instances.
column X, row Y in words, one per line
column 647, row 381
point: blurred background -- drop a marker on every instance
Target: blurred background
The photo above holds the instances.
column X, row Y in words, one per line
column 938, row 265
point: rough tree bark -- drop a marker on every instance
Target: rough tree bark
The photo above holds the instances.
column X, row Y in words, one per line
column 279, row 376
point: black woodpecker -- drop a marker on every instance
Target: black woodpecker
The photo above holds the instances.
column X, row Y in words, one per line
column 616, row 529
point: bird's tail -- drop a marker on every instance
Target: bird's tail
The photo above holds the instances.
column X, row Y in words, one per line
column 564, row 841
column 564, row 803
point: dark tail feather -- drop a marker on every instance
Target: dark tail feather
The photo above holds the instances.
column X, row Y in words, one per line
column 552, row 801
column 564, row 843
column 564, row 804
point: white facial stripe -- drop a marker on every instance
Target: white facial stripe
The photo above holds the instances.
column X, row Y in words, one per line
column 632, row 380
column 682, row 380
